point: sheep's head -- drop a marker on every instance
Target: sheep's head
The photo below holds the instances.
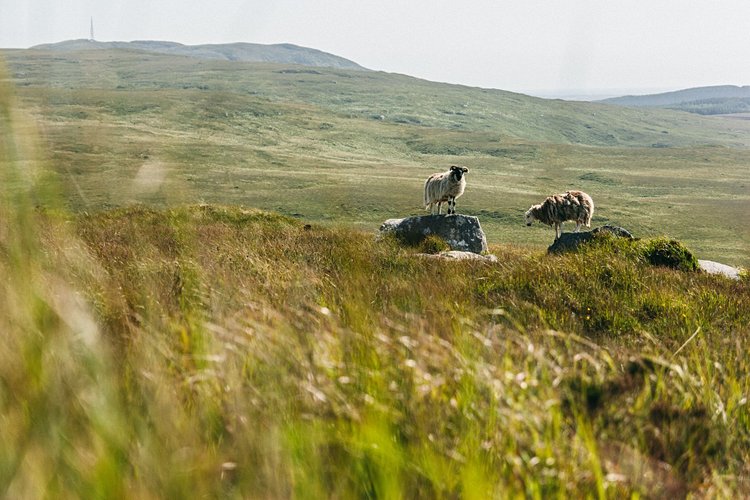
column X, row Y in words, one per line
column 458, row 172
column 529, row 215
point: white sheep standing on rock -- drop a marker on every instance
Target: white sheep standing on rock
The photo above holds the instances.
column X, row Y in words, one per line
column 572, row 205
column 445, row 187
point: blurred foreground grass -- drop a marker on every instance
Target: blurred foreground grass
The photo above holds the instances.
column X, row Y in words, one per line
column 212, row 351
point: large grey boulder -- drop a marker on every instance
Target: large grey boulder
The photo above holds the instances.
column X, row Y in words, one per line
column 460, row 232
column 571, row 241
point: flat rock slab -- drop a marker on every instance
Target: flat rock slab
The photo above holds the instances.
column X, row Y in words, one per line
column 571, row 241
column 458, row 255
column 460, row 232
column 712, row 267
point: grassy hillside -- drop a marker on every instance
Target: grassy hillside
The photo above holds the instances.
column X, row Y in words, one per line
column 354, row 147
column 278, row 53
column 715, row 106
column 214, row 351
column 714, row 100
column 371, row 95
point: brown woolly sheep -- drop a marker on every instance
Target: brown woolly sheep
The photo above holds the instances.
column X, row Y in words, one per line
column 445, row 187
column 573, row 205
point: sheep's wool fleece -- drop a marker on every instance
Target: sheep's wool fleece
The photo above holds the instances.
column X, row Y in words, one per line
column 442, row 186
column 573, row 205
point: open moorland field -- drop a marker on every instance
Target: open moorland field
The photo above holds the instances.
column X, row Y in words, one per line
column 179, row 349
column 338, row 146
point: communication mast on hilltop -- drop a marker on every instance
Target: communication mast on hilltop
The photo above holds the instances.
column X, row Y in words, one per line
column 91, row 39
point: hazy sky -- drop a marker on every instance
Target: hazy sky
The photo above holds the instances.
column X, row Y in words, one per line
column 532, row 46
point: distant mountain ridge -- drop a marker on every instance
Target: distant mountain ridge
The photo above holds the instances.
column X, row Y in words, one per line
column 718, row 99
column 248, row 52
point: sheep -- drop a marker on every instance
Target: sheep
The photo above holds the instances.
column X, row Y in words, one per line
column 572, row 205
column 445, row 187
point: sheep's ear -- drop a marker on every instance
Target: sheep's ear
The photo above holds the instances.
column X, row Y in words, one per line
column 453, row 167
column 466, row 170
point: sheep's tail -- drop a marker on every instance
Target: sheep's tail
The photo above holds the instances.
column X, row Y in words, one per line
column 585, row 206
column 427, row 202
column 588, row 204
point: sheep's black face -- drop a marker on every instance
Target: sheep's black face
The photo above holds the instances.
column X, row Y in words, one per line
column 458, row 172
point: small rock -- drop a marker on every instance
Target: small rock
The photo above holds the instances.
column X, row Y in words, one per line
column 712, row 267
column 459, row 255
column 616, row 230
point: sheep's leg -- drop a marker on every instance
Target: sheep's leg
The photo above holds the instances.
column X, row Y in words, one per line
column 578, row 227
column 558, row 230
column 451, row 206
column 440, row 203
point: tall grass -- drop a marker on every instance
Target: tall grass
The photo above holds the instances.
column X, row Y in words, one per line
column 376, row 373
column 63, row 422
column 208, row 351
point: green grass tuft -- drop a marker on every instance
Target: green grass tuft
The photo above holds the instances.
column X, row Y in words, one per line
column 432, row 244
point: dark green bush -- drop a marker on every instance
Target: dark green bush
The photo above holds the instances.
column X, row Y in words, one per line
column 669, row 253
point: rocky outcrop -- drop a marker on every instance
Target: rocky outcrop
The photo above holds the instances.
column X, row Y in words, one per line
column 570, row 241
column 460, row 232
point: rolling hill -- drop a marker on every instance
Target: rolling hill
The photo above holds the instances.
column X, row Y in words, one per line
column 720, row 99
column 249, row 52
column 371, row 95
